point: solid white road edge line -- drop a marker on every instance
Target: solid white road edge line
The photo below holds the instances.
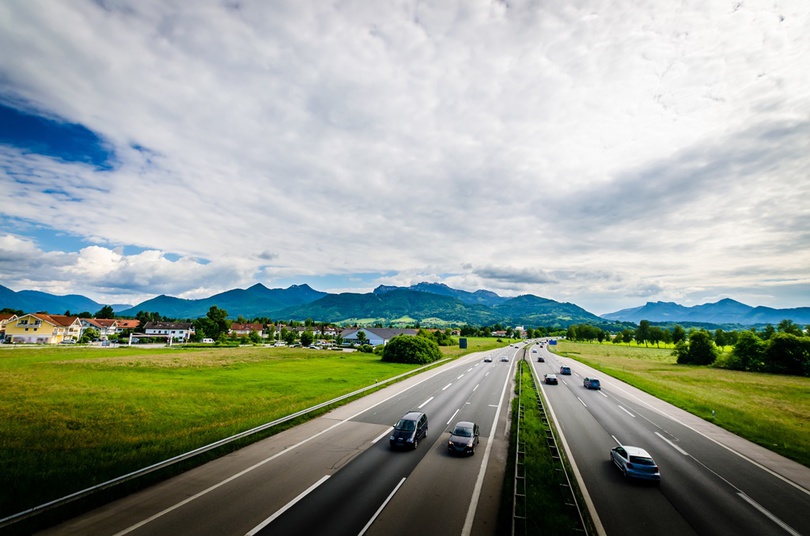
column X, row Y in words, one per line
column 382, row 506
column 479, row 482
column 266, row 460
column 597, row 523
column 787, row 528
column 286, row 507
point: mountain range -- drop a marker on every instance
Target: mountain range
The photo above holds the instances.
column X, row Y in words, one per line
column 429, row 304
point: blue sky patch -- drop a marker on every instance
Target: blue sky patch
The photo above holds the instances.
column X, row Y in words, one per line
column 69, row 142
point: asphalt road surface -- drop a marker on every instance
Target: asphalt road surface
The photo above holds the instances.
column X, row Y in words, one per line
column 337, row 475
column 712, row 482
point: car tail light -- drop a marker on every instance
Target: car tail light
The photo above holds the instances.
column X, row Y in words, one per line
column 655, row 468
column 629, row 465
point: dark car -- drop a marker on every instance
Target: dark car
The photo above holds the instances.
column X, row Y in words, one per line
column 635, row 462
column 550, row 379
column 592, row 383
column 565, row 371
column 409, row 430
column 463, row 438
column 540, row 359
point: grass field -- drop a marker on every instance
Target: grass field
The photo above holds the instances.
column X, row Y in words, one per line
column 71, row 418
column 768, row 409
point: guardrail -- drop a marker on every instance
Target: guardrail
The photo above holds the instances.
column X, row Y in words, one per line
column 551, row 442
column 25, row 514
column 519, row 509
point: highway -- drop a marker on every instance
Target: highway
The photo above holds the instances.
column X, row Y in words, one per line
column 712, row 482
column 337, row 475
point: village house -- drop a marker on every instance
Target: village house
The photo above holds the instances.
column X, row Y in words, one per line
column 41, row 328
column 178, row 331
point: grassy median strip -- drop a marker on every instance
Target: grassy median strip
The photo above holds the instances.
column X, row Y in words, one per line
column 547, row 504
column 769, row 409
column 71, row 418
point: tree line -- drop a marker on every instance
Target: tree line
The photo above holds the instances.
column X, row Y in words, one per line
column 780, row 349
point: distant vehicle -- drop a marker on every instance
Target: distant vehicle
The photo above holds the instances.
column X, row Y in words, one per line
column 488, row 359
column 409, row 430
column 550, row 379
column 463, row 438
column 565, row 371
column 504, row 358
column 534, row 351
column 208, row 341
column 540, row 359
column 591, row 383
column 635, row 462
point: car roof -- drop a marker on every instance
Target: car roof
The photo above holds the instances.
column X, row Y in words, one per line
column 636, row 451
column 412, row 415
column 465, row 424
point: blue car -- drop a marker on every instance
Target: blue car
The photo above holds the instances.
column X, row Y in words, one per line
column 635, row 462
column 592, row 383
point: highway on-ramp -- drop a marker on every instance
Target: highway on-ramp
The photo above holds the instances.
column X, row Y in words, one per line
column 712, row 482
column 337, row 475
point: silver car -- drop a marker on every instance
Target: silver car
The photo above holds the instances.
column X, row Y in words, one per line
column 635, row 462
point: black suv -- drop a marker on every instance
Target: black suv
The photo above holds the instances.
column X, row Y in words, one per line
column 409, row 430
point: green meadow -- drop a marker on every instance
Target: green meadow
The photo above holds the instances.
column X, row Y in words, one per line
column 768, row 409
column 71, row 418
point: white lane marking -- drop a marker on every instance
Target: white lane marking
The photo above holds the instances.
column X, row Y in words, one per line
column 673, row 445
column 454, row 416
column 715, row 441
column 787, row 528
column 286, row 507
column 380, row 509
column 479, row 483
column 446, row 386
column 476, row 387
column 266, row 460
column 616, row 440
column 581, row 402
column 382, row 435
column 460, row 377
column 425, row 403
column 603, row 394
column 624, row 410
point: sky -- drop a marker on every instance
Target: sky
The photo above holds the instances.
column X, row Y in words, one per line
column 603, row 153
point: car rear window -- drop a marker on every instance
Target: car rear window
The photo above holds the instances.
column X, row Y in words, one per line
column 641, row 461
column 463, row 432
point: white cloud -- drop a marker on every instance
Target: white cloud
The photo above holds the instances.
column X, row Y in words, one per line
column 597, row 153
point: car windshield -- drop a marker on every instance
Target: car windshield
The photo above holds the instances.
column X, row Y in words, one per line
column 641, row 461
column 406, row 425
column 463, row 432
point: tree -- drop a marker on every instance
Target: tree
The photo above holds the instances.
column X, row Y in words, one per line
column 361, row 337
column 219, row 319
column 307, row 337
column 748, row 353
column 678, row 334
column 89, row 334
column 790, row 327
column 106, row 312
column 643, row 332
column 700, row 350
column 413, row 350
column 788, row 354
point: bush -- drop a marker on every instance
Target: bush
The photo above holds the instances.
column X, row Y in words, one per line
column 412, row 350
